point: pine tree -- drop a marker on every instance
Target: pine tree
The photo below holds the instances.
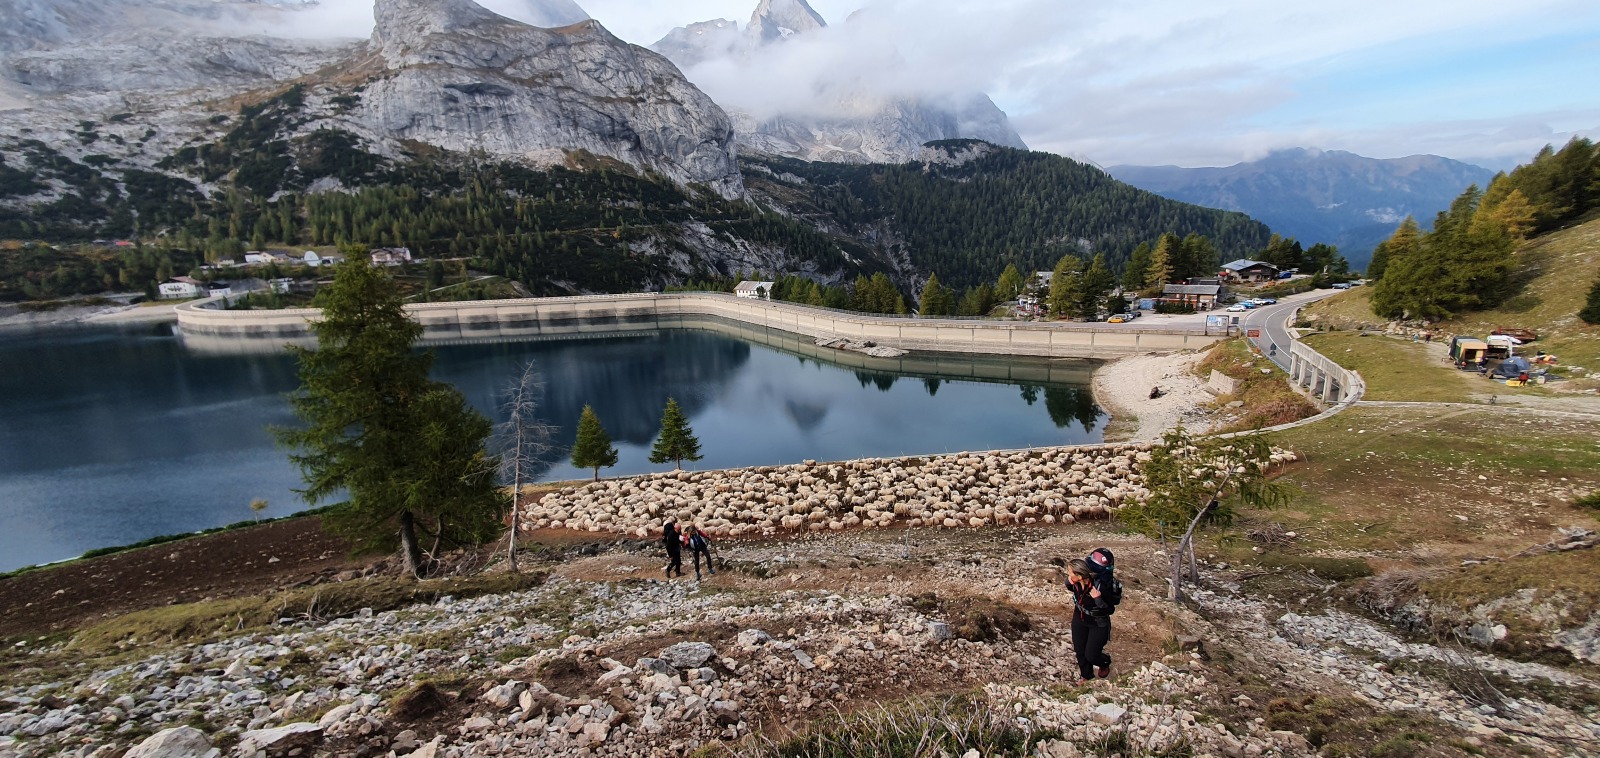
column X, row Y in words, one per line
column 1096, row 283
column 677, row 442
column 407, row 452
column 593, row 448
column 936, row 300
column 1591, row 310
column 1064, row 287
column 1379, row 263
column 1133, row 276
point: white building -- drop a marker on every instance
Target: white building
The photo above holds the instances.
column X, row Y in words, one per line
column 391, row 256
column 314, row 260
column 257, row 257
column 753, row 290
column 281, row 286
column 180, row 288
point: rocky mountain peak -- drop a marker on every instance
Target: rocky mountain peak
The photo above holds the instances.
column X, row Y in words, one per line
column 775, row 20
column 466, row 79
column 407, row 24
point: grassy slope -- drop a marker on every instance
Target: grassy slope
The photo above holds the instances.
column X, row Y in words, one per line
column 1398, row 483
column 1397, row 369
column 1558, row 270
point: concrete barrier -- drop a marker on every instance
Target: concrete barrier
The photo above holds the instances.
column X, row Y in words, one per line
column 600, row 314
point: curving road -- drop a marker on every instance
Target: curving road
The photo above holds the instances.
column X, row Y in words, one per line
column 1274, row 321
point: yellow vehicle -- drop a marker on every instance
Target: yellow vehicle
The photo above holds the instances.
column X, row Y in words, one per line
column 1118, row 319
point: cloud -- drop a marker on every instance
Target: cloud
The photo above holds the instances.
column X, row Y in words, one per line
column 1167, row 81
column 1172, row 81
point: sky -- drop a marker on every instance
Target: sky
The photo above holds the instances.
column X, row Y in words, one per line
column 1192, row 84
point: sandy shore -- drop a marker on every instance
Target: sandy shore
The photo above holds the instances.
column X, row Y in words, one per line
column 1123, row 388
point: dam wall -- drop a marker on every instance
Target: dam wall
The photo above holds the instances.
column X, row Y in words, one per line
column 594, row 315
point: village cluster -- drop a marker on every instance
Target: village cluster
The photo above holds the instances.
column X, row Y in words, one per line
column 188, row 288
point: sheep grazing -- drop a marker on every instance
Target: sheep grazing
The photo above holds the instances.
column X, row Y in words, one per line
column 1053, row 485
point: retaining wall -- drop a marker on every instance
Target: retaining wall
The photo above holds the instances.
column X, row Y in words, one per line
column 601, row 314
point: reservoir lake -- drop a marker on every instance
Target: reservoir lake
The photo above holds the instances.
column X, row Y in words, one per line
column 109, row 437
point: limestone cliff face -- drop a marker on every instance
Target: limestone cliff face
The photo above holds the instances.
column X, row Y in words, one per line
column 462, row 78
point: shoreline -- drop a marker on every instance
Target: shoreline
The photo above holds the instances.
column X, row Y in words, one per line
column 1122, row 387
column 91, row 315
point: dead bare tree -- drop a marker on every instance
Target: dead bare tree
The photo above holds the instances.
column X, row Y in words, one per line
column 525, row 442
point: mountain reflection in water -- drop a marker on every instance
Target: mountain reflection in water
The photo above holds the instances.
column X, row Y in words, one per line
column 108, row 437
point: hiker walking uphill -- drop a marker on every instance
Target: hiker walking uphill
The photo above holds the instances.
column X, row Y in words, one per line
column 1095, row 595
column 699, row 544
column 674, row 543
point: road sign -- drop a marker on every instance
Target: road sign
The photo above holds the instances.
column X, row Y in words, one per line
column 1254, row 334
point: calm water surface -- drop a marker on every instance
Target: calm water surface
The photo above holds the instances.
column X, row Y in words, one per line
column 108, row 437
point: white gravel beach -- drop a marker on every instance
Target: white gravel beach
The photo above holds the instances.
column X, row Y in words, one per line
column 1123, row 387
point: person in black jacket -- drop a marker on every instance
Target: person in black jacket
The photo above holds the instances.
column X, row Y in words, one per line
column 699, row 544
column 674, row 543
column 1091, row 617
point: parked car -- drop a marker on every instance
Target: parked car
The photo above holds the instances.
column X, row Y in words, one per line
column 1342, row 286
column 1120, row 318
column 1266, row 301
column 1238, row 308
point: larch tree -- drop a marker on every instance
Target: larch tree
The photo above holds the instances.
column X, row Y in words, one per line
column 407, row 452
column 1010, row 284
column 1199, row 481
column 593, row 448
column 677, row 442
column 1158, row 274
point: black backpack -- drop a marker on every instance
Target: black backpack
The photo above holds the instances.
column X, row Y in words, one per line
column 1110, row 586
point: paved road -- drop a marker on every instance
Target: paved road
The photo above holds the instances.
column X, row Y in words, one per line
column 1273, row 321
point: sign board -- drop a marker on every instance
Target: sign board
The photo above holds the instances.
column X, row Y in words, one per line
column 1217, row 322
column 1254, row 334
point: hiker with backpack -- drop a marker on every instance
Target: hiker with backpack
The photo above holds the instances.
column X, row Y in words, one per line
column 674, row 543
column 698, row 544
column 1095, row 595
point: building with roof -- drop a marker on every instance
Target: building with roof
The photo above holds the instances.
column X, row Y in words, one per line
column 1249, row 271
column 1202, row 297
column 753, row 290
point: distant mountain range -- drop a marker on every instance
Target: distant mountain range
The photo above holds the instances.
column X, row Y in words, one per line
column 1320, row 196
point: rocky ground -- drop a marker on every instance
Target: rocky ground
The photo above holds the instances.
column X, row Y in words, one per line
column 605, row 657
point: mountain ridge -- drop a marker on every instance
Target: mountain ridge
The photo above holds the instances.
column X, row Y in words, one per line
column 1332, row 196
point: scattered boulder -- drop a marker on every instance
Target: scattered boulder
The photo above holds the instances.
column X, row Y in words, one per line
column 178, row 742
column 506, row 695
column 1109, row 714
column 655, row 666
column 688, row 655
column 752, row 638
column 940, row 631
column 280, row 741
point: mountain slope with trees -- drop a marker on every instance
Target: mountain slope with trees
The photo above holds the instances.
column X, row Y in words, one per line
column 1524, row 253
column 968, row 209
column 1332, row 197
